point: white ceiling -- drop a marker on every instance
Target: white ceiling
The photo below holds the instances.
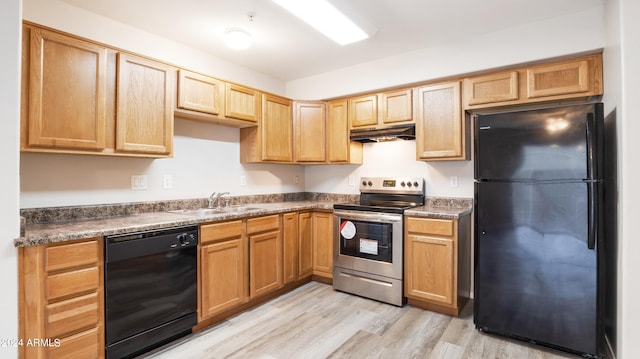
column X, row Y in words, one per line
column 288, row 49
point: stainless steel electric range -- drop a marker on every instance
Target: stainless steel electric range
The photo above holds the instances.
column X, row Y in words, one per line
column 368, row 238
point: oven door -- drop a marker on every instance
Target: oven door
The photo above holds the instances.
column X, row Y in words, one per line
column 369, row 242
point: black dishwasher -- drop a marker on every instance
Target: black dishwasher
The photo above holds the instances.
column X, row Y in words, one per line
column 150, row 289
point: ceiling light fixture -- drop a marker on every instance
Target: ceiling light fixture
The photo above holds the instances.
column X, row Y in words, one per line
column 237, row 39
column 324, row 17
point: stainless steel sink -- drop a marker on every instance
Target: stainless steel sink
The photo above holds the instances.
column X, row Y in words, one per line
column 208, row 211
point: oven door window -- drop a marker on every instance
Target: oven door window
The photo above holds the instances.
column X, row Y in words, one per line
column 370, row 240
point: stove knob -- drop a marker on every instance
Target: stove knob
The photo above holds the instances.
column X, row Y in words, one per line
column 415, row 184
column 364, row 183
column 369, row 183
column 403, row 184
column 409, row 184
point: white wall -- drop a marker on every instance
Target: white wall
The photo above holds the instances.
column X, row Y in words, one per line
column 206, row 158
column 395, row 159
column 625, row 57
column 564, row 35
column 10, row 14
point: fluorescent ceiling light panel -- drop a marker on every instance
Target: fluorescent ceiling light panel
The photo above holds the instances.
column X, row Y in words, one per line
column 324, row 17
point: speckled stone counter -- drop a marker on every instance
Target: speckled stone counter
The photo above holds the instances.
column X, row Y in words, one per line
column 439, row 207
column 52, row 225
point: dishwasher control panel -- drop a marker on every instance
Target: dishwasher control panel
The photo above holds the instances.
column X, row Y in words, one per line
column 125, row 246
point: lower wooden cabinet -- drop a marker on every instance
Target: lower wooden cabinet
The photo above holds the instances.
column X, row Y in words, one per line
column 290, row 254
column 223, row 268
column 322, row 227
column 305, row 244
column 437, row 260
column 62, row 301
column 265, row 255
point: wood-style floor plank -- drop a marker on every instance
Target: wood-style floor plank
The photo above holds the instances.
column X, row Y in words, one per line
column 314, row 321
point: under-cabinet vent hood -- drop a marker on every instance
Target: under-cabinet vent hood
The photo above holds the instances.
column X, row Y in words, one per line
column 403, row 132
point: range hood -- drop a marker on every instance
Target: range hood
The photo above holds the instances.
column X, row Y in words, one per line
column 403, row 132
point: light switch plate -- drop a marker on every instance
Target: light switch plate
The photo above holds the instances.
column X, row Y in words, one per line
column 453, row 181
column 167, row 181
column 243, row 180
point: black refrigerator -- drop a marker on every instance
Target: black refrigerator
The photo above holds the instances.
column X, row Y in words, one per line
column 538, row 227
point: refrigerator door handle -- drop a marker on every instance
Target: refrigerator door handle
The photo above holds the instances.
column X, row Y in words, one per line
column 591, row 144
column 592, row 230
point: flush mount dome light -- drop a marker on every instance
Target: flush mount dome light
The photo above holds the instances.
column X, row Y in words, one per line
column 237, row 39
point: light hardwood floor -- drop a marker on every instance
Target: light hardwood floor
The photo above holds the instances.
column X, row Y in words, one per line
column 314, row 321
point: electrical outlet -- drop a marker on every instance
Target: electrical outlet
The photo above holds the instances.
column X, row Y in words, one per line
column 296, row 179
column 453, row 180
column 352, row 180
column 243, row 180
column 167, row 181
column 138, row 182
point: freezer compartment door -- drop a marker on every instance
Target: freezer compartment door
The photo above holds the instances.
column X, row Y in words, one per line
column 535, row 277
column 548, row 144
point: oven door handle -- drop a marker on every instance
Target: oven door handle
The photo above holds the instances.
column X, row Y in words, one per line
column 368, row 216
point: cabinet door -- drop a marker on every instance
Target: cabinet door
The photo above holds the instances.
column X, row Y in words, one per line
column 363, row 111
column 222, row 276
column 305, row 245
column 429, row 265
column 67, row 92
column 339, row 148
column 396, row 107
column 498, row 87
column 200, row 93
column 276, row 129
column 144, row 122
column 310, row 131
column 290, row 247
column 323, row 244
column 265, row 263
column 440, row 126
column 559, row 79
column 242, row 103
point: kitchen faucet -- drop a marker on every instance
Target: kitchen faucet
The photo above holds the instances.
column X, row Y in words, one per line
column 215, row 198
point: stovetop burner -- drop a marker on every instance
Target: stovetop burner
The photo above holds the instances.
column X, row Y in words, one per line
column 387, row 195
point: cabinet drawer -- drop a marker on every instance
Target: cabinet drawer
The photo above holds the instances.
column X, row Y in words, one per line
column 72, row 315
column 72, row 255
column 439, row 227
column 81, row 345
column 79, row 281
column 261, row 224
column 220, row 231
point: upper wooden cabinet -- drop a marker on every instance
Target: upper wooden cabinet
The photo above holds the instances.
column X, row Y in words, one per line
column 575, row 78
column 339, row 148
column 200, row 93
column 441, row 126
column 498, row 87
column 272, row 139
column 310, row 127
column 242, row 103
column 67, row 92
column 144, row 122
column 81, row 97
column 383, row 109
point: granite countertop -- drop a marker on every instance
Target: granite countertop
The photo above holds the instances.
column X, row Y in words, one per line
column 62, row 229
column 45, row 233
column 438, row 212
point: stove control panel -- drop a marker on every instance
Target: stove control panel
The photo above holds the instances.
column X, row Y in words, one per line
column 406, row 185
